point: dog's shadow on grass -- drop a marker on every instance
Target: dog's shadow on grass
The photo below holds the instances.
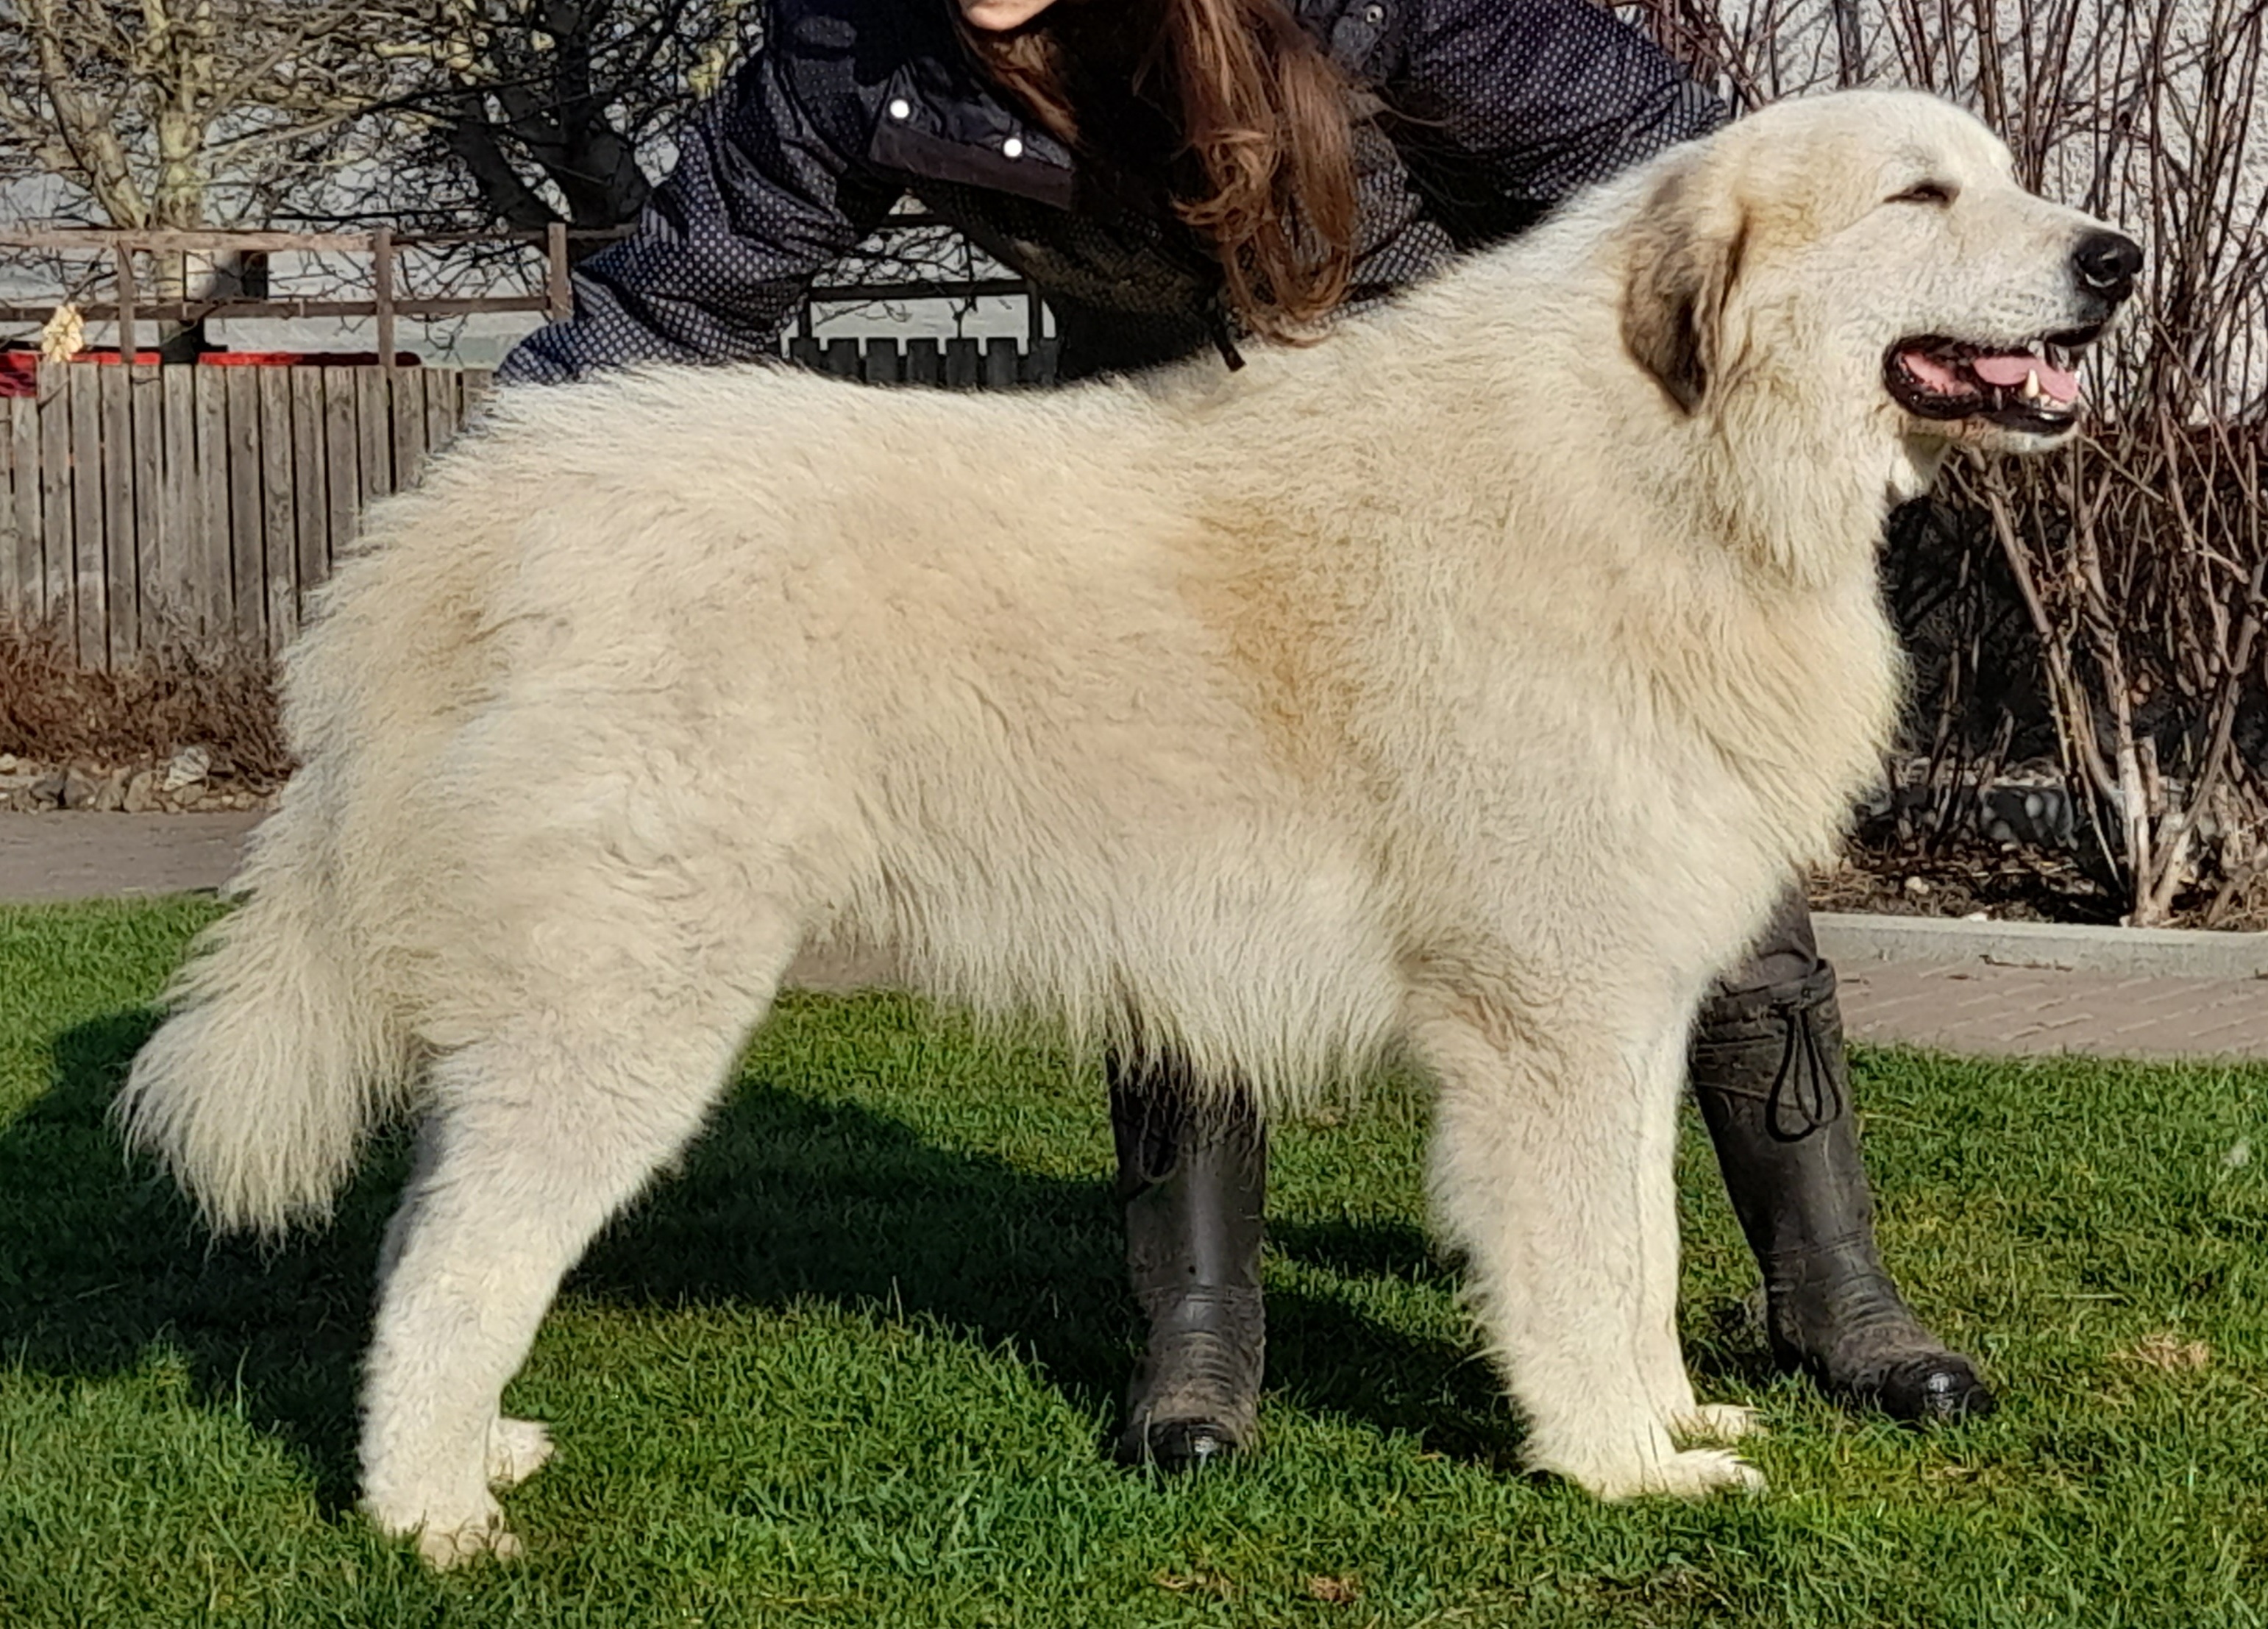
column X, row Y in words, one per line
column 104, row 1268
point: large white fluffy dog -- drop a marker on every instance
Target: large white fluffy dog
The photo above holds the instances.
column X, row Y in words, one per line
column 1476, row 677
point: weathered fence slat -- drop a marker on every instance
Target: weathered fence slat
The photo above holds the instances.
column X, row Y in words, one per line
column 54, row 496
column 1000, row 363
column 405, row 413
column 247, row 554
column 214, row 602
column 280, row 552
column 310, row 501
column 342, row 471
column 376, row 389
column 30, row 601
column 962, row 365
column 147, row 390
column 88, row 587
column 122, row 614
column 441, row 389
column 169, row 577
column 925, row 365
column 882, row 365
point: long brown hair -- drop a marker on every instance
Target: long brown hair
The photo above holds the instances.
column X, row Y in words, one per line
column 1247, row 116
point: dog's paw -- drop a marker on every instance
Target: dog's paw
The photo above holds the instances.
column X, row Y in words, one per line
column 442, row 1549
column 445, row 1541
column 1652, row 1467
column 1689, row 1473
column 518, row 1448
column 1716, row 1422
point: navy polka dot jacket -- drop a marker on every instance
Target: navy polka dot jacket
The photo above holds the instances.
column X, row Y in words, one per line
column 1495, row 110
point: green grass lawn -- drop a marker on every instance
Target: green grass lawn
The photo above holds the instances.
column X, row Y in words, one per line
column 856, row 1364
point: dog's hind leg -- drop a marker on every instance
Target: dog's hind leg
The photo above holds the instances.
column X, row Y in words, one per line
column 1553, row 1170
column 539, row 1133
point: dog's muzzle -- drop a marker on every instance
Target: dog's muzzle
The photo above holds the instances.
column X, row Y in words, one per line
column 2031, row 383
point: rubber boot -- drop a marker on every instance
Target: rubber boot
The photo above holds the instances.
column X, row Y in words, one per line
column 1192, row 1179
column 1769, row 1071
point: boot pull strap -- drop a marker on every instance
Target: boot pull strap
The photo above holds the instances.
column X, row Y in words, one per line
column 1804, row 1096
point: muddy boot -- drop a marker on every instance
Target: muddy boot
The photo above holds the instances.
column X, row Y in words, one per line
column 1193, row 1180
column 1769, row 1075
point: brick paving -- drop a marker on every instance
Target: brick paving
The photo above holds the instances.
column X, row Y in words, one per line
column 1976, row 1006
column 1989, row 1010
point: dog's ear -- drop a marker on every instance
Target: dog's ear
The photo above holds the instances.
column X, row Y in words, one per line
column 1685, row 255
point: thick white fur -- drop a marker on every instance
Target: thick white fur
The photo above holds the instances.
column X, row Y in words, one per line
column 1448, row 680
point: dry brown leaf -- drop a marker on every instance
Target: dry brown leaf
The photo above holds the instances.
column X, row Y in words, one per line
column 2168, row 1353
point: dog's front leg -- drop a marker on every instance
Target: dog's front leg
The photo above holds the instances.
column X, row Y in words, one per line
column 1553, row 1171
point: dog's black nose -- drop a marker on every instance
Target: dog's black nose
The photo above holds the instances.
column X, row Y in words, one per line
column 2106, row 264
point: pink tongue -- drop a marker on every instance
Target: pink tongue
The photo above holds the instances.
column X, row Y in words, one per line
column 2059, row 384
column 1935, row 373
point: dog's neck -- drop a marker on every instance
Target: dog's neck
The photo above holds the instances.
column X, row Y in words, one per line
column 1802, row 501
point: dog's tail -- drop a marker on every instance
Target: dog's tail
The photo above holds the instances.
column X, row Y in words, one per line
column 279, row 1052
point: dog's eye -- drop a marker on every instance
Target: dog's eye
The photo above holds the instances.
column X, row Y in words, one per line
column 1924, row 192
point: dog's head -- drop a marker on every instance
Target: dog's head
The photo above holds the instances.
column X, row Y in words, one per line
column 1872, row 249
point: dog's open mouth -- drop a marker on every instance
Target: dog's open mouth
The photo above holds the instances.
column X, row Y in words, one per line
column 2034, row 386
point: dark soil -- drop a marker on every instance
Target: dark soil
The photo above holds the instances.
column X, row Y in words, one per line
column 2005, row 884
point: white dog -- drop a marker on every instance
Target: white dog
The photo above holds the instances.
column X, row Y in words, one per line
column 1476, row 677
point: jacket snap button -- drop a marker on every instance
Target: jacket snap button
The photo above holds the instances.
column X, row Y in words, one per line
column 901, row 108
column 1013, row 148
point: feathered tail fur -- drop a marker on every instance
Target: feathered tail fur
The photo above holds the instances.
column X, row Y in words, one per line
column 275, row 1058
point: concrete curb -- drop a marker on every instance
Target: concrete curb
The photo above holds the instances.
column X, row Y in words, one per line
column 1852, row 939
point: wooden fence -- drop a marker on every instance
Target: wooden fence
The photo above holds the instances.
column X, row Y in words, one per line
column 142, row 504
column 147, row 504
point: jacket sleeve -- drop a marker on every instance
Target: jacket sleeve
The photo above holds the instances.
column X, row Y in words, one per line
column 760, row 202
column 1509, row 106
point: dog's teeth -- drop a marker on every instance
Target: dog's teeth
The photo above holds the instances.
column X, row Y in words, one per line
column 2032, row 384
